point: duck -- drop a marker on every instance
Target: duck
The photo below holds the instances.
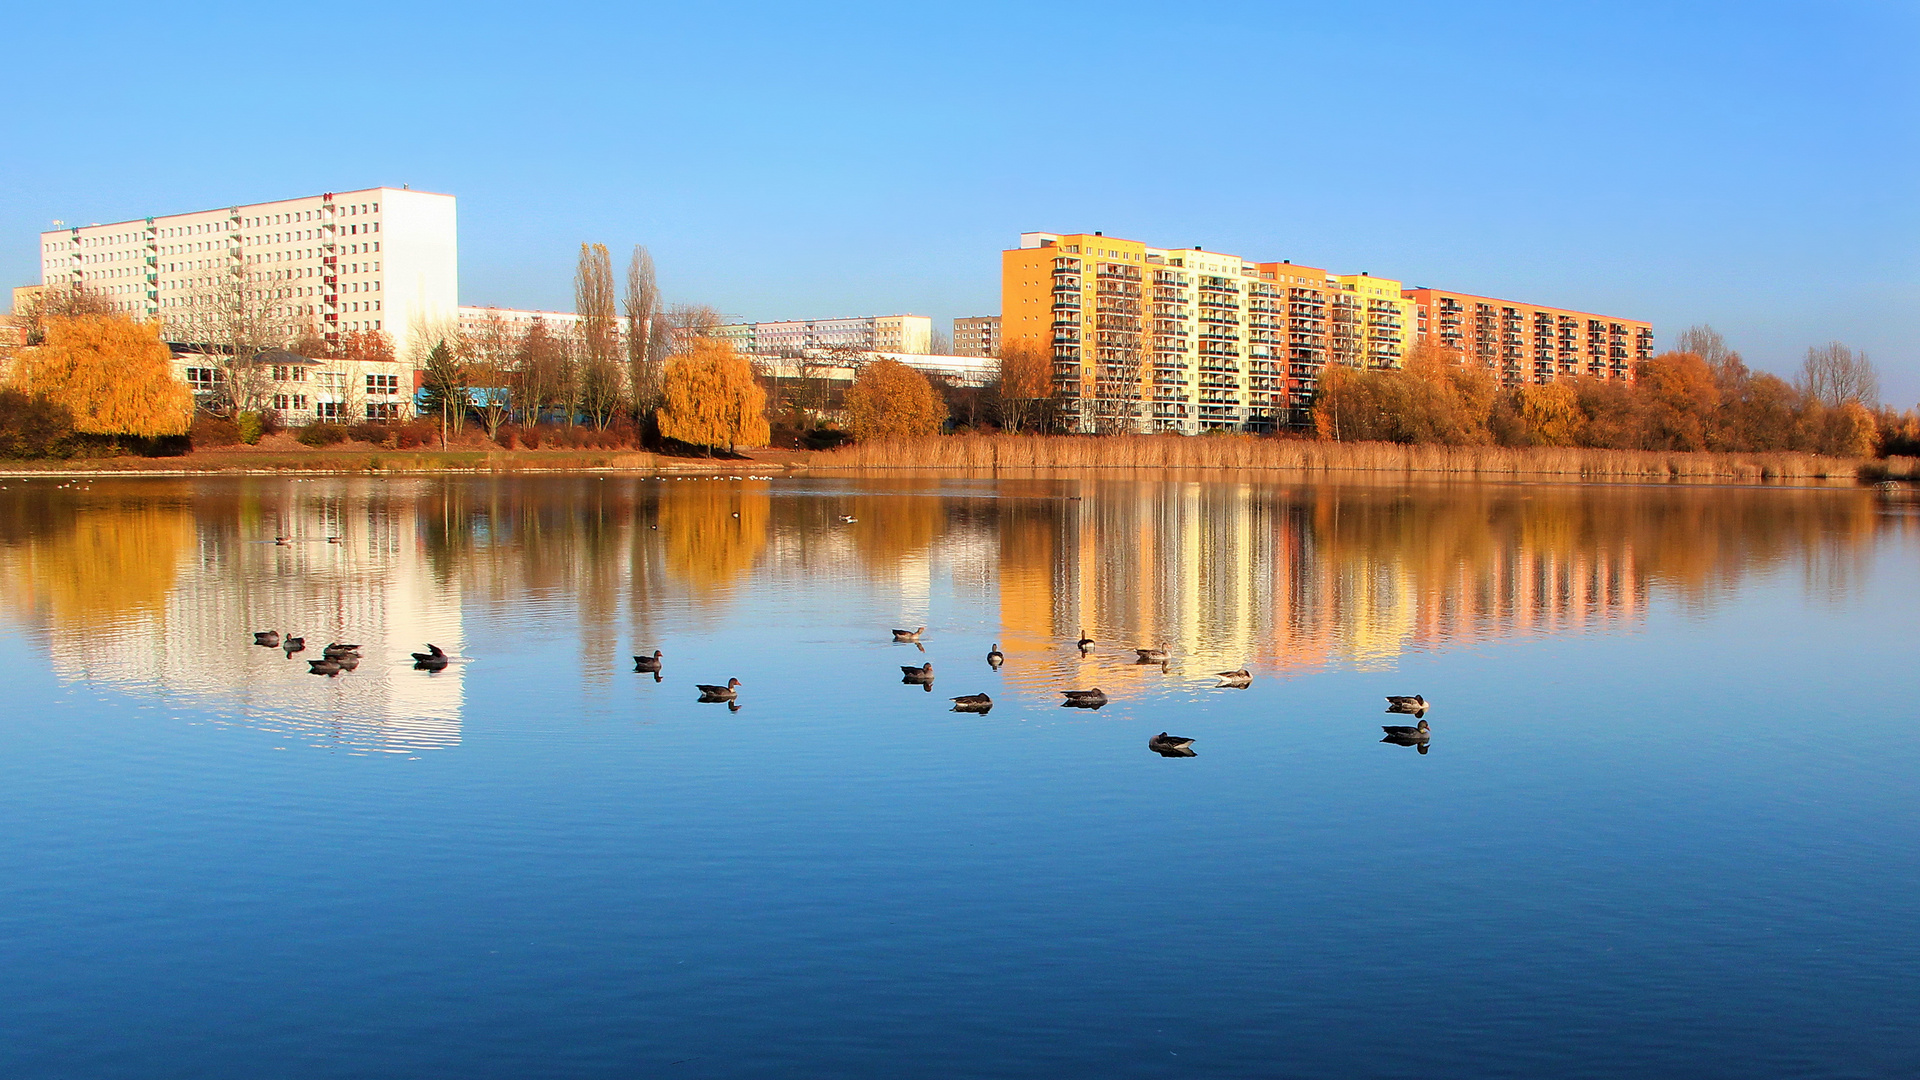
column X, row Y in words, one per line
column 433, row 659
column 917, row 674
column 336, row 650
column 1154, row 656
column 282, row 541
column 995, row 657
column 1085, row 643
column 1419, row 731
column 269, row 638
column 335, row 540
column 848, row 519
column 1085, row 699
column 1400, row 703
column 719, row 693
column 1235, row 678
column 1163, row 742
column 324, row 667
column 294, row 645
column 909, row 635
column 973, row 703
column 647, row 663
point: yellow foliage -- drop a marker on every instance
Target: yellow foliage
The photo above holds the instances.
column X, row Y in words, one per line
column 1550, row 413
column 115, row 374
column 888, row 399
column 102, row 566
column 710, row 398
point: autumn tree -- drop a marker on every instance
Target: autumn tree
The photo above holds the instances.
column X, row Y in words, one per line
column 602, row 376
column 888, row 399
column 1680, row 400
column 445, row 379
column 492, row 352
column 1834, row 374
column 643, row 313
column 538, row 371
column 114, row 374
column 1024, row 384
column 710, row 398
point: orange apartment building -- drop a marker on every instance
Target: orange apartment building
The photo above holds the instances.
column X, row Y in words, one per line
column 1527, row 343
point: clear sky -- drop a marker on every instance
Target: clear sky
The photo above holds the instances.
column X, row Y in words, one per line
column 1754, row 165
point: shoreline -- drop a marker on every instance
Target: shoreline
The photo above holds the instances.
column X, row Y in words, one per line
column 999, row 454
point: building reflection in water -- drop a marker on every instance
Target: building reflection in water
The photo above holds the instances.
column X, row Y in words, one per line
column 159, row 584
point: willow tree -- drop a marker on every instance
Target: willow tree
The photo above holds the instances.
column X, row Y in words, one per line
column 114, row 374
column 710, row 398
column 888, row 399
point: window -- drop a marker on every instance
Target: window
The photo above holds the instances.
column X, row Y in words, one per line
column 332, row 410
column 383, row 384
column 387, row 410
column 204, row 379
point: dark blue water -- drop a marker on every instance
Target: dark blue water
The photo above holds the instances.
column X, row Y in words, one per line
column 1666, row 823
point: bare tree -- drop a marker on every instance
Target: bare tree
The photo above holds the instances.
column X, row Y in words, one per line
column 1834, row 374
column 940, row 343
column 602, row 382
column 494, row 349
column 643, row 311
column 227, row 315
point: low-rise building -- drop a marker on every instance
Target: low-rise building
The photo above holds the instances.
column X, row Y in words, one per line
column 907, row 334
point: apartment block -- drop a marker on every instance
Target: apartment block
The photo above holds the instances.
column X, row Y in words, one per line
column 912, row 334
column 1189, row 340
column 1527, row 343
column 977, row 336
column 376, row 259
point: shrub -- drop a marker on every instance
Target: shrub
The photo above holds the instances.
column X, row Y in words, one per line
column 371, row 432
column 322, row 434
column 413, row 434
column 249, row 427
column 34, row 427
column 209, row 430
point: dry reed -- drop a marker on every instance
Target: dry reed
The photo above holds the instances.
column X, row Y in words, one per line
column 990, row 452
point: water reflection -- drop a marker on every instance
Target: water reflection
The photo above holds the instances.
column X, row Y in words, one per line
column 158, row 583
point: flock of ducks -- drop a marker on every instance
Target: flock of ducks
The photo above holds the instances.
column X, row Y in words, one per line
column 339, row 656
column 1093, row 698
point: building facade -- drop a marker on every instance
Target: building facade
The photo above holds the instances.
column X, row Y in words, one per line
column 377, row 259
column 912, row 334
column 1189, row 340
column 1527, row 343
column 977, row 336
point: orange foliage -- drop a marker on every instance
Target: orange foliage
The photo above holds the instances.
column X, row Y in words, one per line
column 890, row 399
column 712, row 399
column 115, row 374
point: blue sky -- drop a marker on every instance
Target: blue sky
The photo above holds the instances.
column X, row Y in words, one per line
column 1754, row 166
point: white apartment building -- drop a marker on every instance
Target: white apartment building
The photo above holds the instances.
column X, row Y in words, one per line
column 377, row 259
column 911, row 334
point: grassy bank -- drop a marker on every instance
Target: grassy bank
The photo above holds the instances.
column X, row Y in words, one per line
column 990, row 452
column 400, row 462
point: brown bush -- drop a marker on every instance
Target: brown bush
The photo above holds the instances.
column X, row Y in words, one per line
column 211, row 431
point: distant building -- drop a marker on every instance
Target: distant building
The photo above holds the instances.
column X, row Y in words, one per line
column 977, row 336
column 911, row 334
column 375, row 259
column 1528, row 343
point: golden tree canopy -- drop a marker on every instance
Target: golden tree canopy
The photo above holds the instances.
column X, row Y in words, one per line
column 888, row 398
column 710, row 398
column 115, row 374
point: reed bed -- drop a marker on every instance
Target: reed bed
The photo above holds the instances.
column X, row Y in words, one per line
column 991, row 452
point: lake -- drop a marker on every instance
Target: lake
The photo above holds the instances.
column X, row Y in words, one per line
column 1666, row 820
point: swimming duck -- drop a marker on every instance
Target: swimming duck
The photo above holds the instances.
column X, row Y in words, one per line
column 433, row 659
column 1401, row 731
column 1153, row 656
column 909, row 635
column 324, row 667
column 917, row 674
column 282, row 541
column 994, row 656
column 336, row 650
column 848, row 519
column 1164, row 743
column 294, row 645
column 647, row 663
column 718, row 693
column 269, row 638
column 973, row 703
column 1235, row 678
column 1085, row 643
column 1415, row 704
column 1084, row 699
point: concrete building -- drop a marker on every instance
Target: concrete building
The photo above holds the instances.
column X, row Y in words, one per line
column 381, row 259
column 1189, row 340
column 978, row 335
column 911, row 334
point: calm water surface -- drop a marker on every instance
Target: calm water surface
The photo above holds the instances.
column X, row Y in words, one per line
column 1666, row 823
